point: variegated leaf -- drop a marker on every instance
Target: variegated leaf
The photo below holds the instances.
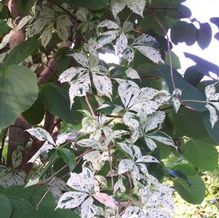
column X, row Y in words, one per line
column 88, row 143
column 117, row 6
column 108, row 24
column 46, row 36
column 150, row 143
column 129, row 54
column 164, row 139
column 16, row 158
column 137, row 6
column 125, row 166
column 145, row 40
column 79, row 87
column 41, row 135
column 153, row 121
column 128, row 90
column 147, row 159
column 132, row 73
column 133, row 211
column 105, row 199
column 71, row 73
column 71, row 199
column 213, row 114
column 176, row 104
column 150, row 52
column 88, row 209
column 83, row 181
column 82, row 14
column 121, row 44
column 103, row 84
column 119, row 186
column 106, row 38
column 81, row 59
column 210, row 90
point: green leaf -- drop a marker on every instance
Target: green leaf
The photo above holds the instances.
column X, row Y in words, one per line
column 68, row 156
column 34, row 115
column 193, row 193
column 189, row 123
column 5, row 206
column 4, row 28
column 91, row 4
column 189, row 92
column 187, row 169
column 56, row 100
column 25, row 200
column 201, row 154
column 18, row 91
column 22, row 51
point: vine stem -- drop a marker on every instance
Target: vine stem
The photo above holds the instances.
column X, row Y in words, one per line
column 196, row 101
column 44, row 195
column 111, row 166
column 89, row 106
column 3, row 143
column 169, row 50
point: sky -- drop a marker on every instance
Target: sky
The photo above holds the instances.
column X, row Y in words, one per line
column 202, row 10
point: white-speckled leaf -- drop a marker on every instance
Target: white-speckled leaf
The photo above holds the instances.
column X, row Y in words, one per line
column 176, row 104
column 119, row 186
column 108, row 24
column 137, row 6
column 133, row 211
column 88, row 143
column 83, row 181
column 213, row 114
column 121, row 44
column 128, row 90
column 88, row 209
column 16, row 158
column 150, row 143
column 117, row 6
column 129, row 54
column 125, row 166
column 63, row 23
column 41, row 135
column 150, row 52
column 82, row 14
column 71, row 73
column 71, row 199
column 9, row 177
column 147, row 159
column 210, row 90
column 81, row 59
column 103, row 84
column 130, row 120
column 153, row 121
column 164, row 139
column 132, row 73
column 145, row 39
column 105, row 199
column 46, row 35
column 106, row 38
column 79, row 87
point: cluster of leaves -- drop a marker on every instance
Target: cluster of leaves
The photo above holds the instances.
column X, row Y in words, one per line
column 96, row 134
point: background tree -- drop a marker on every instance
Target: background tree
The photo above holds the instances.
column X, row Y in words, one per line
column 95, row 137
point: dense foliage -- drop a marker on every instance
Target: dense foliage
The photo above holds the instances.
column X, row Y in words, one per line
column 84, row 137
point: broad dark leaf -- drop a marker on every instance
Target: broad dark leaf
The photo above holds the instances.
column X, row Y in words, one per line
column 193, row 193
column 27, row 48
column 18, row 91
column 204, row 35
column 201, row 154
